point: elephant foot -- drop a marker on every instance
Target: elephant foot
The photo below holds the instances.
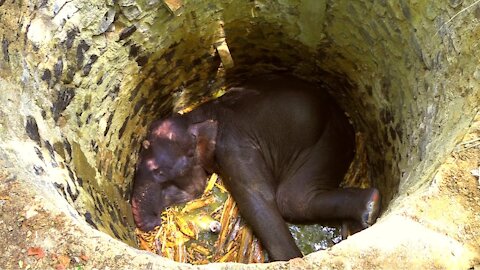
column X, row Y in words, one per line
column 367, row 217
column 372, row 209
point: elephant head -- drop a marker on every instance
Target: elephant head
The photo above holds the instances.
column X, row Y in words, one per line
column 171, row 168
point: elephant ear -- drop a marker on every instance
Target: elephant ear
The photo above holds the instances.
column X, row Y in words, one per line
column 205, row 134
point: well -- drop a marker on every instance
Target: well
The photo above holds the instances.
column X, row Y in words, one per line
column 81, row 80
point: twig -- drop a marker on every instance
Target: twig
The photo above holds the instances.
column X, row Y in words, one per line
column 470, row 141
column 454, row 16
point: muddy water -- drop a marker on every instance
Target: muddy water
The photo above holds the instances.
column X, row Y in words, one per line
column 311, row 238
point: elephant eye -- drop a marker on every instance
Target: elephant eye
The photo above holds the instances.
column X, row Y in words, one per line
column 190, row 154
column 158, row 172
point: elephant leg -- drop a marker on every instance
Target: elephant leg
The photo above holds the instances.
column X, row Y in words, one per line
column 300, row 205
column 311, row 193
column 252, row 186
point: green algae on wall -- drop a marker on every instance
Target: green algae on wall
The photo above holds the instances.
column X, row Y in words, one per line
column 82, row 80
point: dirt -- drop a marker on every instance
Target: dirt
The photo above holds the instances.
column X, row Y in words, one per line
column 35, row 235
column 31, row 237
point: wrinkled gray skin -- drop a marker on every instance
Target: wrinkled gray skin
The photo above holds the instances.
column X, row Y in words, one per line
column 281, row 145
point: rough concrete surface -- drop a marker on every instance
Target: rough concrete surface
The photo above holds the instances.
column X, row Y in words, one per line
column 80, row 80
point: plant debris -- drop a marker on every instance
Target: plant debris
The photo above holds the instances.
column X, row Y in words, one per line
column 38, row 252
column 208, row 229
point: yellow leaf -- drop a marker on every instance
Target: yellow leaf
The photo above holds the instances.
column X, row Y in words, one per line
column 200, row 249
column 229, row 256
column 221, row 187
column 211, row 182
column 186, row 227
column 199, row 203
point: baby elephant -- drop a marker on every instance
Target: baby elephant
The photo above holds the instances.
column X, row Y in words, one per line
column 281, row 146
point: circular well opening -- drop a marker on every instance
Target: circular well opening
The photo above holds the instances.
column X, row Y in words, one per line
column 106, row 81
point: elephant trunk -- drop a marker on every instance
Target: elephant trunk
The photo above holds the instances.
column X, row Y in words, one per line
column 146, row 213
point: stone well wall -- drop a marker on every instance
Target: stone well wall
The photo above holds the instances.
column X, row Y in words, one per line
column 80, row 81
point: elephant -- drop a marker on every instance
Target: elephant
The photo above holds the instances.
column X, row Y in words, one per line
column 281, row 145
